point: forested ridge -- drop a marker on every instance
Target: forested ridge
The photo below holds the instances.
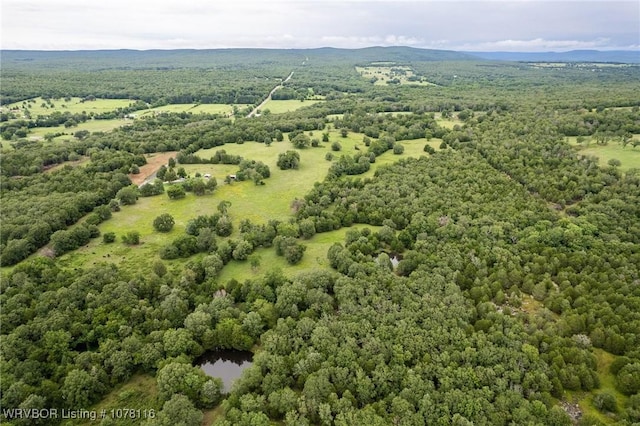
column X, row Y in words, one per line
column 516, row 257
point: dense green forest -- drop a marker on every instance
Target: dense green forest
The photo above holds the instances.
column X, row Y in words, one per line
column 492, row 276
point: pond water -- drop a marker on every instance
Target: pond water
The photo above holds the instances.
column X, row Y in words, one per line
column 226, row 365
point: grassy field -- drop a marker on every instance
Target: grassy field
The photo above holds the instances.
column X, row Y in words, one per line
column 384, row 74
column 90, row 125
column 98, row 106
column 629, row 157
column 412, row 148
column 224, row 109
column 282, row 106
column 74, row 106
column 315, row 256
column 447, row 123
column 248, row 201
column 607, row 384
column 77, row 163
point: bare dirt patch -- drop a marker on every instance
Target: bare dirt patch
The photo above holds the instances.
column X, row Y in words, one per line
column 75, row 163
column 154, row 161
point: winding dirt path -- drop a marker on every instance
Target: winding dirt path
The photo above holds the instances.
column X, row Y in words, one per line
column 254, row 111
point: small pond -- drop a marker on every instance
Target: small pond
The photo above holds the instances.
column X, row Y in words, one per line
column 226, row 365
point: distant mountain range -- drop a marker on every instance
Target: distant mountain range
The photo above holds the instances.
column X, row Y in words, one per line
column 103, row 59
column 620, row 56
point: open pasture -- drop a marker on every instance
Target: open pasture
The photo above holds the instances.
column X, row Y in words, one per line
column 258, row 203
column 223, row 109
column 629, row 156
column 282, row 106
column 40, row 106
column 412, row 148
column 383, row 75
column 315, row 256
column 90, row 125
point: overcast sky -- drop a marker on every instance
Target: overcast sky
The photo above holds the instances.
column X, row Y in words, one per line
column 479, row 25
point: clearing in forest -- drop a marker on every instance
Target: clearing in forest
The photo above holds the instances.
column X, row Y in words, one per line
column 389, row 74
column 628, row 156
column 282, row 106
column 258, row 203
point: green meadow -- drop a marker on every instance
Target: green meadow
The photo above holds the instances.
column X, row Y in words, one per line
column 224, row 109
column 39, row 106
column 447, row 123
column 315, row 256
column 629, row 156
column 282, row 106
column 607, row 385
column 258, row 203
column 90, row 125
column 384, row 74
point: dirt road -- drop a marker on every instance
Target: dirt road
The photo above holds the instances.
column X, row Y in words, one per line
column 254, row 112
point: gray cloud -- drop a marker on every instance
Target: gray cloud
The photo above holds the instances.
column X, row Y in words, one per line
column 461, row 25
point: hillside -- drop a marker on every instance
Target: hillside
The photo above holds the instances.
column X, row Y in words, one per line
column 615, row 56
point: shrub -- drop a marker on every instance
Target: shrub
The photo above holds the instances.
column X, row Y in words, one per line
column 163, row 223
column 605, row 402
column 176, row 192
column 290, row 248
column 131, row 238
column 128, row 195
column 288, row 160
column 301, row 141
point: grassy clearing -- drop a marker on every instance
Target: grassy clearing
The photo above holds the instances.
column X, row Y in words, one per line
column 139, row 393
column 282, row 106
column 90, row 125
column 383, row 74
column 607, row 384
column 412, row 148
column 530, row 305
column 629, row 157
column 139, row 217
column 77, row 163
column 98, row 106
column 248, row 201
column 74, row 106
column 315, row 256
column 223, row 109
column 447, row 123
